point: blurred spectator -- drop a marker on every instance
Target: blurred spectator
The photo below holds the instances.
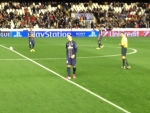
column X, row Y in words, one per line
column 90, row 3
column 86, row 15
column 147, row 20
column 142, row 25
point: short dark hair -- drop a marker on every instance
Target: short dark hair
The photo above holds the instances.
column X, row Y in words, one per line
column 122, row 32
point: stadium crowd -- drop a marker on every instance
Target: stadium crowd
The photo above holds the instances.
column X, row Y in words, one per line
column 58, row 15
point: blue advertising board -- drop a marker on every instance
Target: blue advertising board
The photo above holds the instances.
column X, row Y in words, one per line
column 85, row 33
column 65, row 33
column 49, row 33
column 23, row 33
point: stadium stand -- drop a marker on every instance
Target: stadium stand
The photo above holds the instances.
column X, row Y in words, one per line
column 52, row 15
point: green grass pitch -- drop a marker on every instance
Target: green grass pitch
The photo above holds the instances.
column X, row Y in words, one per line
column 26, row 87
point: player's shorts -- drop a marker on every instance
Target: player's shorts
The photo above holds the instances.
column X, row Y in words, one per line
column 31, row 42
column 71, row 61
column 123, row 51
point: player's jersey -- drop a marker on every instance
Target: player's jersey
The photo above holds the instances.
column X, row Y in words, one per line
column 31, row 33
column 71, row 48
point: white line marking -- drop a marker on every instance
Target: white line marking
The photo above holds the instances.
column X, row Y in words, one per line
column 134, row 51
column 92, row 93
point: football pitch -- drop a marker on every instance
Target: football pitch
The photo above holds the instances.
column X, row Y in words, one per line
column 34, row 82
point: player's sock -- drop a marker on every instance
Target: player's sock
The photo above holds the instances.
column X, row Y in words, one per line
column 74, row 70
column 68, row 71
column 123, row 62
column 126, row 62
column 30, row 46
column 99, row 45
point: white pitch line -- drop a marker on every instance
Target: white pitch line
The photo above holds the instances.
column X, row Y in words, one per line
column 90, row 92
column 134, row 51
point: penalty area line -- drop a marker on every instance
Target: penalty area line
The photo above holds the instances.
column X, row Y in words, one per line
column 79, row 86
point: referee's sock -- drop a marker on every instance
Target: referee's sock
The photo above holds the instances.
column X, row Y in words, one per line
column 123, row 62
column 126, row 62
column 68, row 71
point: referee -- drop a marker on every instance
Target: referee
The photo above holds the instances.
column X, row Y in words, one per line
column 124, row 46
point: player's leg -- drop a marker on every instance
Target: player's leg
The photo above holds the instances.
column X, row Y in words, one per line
column 30, row 45
column 33, row 46
column 68, row 68
column 126, row 61
column 123, row 57
column 74, row 67
column 123, row 62
column 127, row 64
column 101, row 45
column 98, row 44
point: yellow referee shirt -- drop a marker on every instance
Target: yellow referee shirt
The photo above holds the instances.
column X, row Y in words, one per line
column 124, row 41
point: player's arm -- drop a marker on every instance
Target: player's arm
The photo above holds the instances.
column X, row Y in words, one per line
column 29, row 35
column 75, row 48
column 66, row 49
column 66, row 46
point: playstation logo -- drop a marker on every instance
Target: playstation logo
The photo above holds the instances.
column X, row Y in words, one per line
column 18, row 34
column 92, row 34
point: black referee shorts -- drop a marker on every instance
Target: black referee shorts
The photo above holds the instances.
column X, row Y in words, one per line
column 123, row 51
